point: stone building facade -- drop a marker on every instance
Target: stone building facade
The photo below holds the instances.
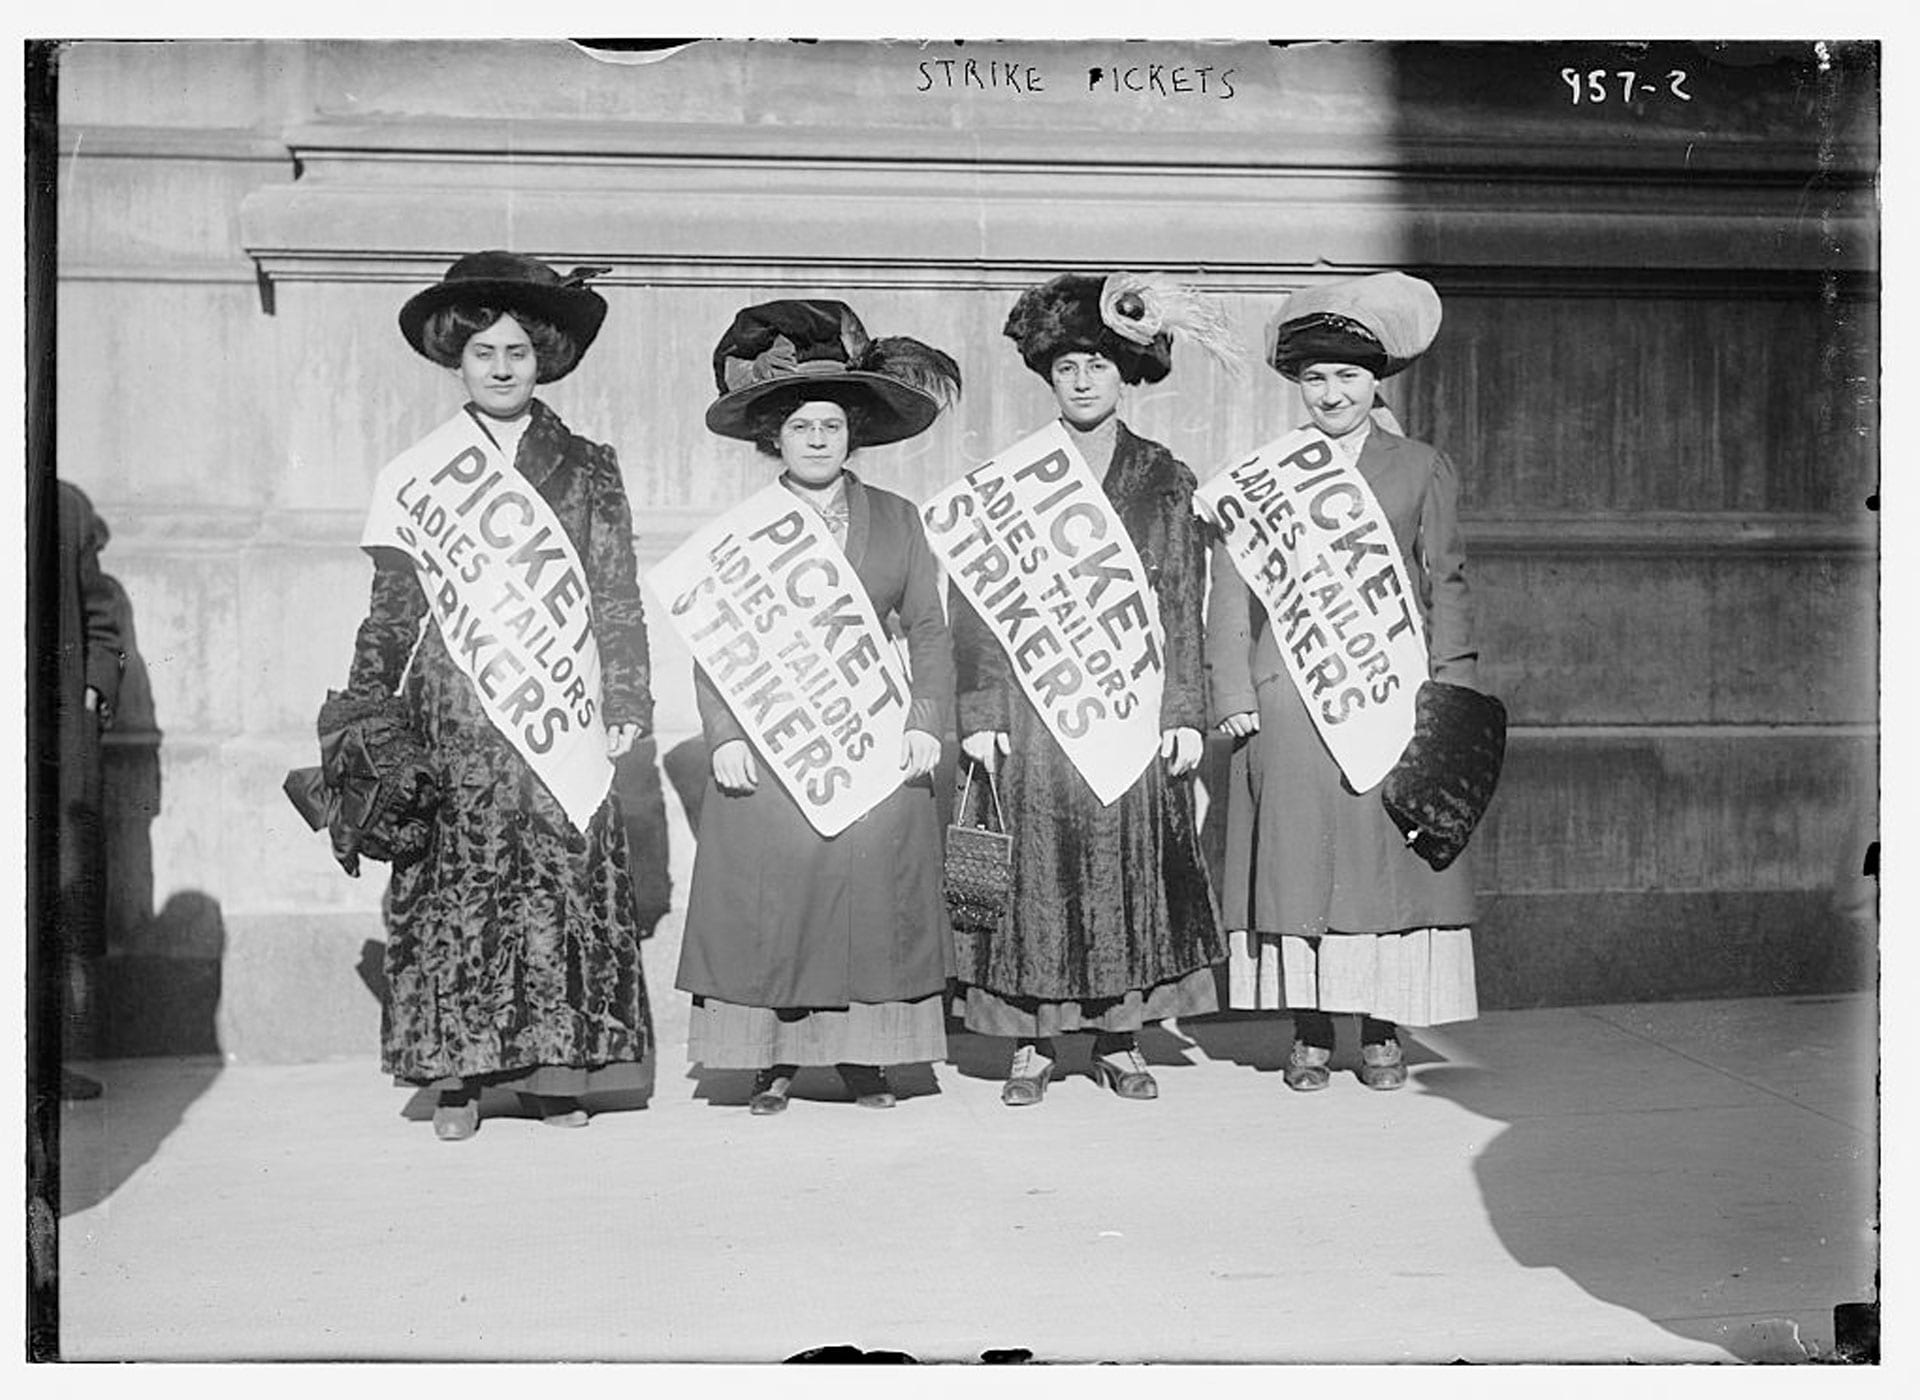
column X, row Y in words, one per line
column 1658, row 371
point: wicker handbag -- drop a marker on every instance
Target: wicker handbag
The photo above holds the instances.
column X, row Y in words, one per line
column 979, row 866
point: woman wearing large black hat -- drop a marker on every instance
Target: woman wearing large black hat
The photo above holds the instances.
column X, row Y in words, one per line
column 513, row 952
column 1330, row 908
column 1111, row 924
column 802, row 949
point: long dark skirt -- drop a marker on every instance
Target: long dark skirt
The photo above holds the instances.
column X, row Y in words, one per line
column 1112, row 921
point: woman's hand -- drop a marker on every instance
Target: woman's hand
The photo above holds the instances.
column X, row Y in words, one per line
column 1181, row 749
column 985, row 748
column 734, row 770
column 621, row 738
column 1241, row 725
column 919, row 751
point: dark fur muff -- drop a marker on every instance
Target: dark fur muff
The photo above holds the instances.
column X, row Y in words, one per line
column 375, row 790
column 1440, row 788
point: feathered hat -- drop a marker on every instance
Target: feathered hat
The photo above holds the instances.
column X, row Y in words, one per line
column 778, row 345
column 1131, row 318
column 1383, row 323
column 512, row 282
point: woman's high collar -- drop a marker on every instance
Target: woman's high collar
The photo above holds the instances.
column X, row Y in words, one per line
column 822, row 498
column 1096, row 444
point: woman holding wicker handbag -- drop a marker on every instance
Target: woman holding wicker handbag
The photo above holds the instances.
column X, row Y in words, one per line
column 1110, row 922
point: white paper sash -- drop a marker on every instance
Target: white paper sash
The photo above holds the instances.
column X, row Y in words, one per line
column 777, row 618
column 1307, row 534
column 505, row 586
column 1031, row 540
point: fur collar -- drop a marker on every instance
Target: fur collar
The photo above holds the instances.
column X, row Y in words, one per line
column 1142, row 468
column 542, row 446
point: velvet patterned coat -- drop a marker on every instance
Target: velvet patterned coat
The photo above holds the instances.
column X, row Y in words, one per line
column 513, row 943
column 781, row 916
column 1306, row 854
column 1107, row 900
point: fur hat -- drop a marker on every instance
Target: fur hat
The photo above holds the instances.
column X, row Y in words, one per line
column 1131, row 318
column 512, row 282
column 1440, row 788
column 777, row 345
column 1383, row 323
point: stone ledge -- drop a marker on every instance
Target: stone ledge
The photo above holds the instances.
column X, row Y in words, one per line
column 1542, row 950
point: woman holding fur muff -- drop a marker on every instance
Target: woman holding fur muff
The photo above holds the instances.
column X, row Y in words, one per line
column 1331, row 907
column 513, row 951
column 1111, row 924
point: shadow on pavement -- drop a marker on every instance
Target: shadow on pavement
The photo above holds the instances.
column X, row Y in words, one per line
column 1660, row 1216
column 988, row 1056
column 1260, row 1040
column 731, row 1088
column 104, row 1141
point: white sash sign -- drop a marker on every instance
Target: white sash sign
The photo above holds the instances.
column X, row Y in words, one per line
column 1306, row 533
column 1032, row 542
column 775, row 615
column 505, row 586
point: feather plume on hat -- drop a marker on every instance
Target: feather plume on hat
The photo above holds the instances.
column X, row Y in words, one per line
column 931, row 371
column 1131, row 318
column 818, row 343
column 1139, row 306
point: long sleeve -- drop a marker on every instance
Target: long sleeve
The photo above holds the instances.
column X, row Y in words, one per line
column 392, row 624
column 717, row 724
column 106, row 650
column 983, row 679
column 1182, row 589
column 619, row 618
column 1230, row 605
column 929, row 645
column 1453, row 655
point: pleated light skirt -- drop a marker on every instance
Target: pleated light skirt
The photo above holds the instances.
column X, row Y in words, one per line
column 723, row 1035
column 1423, row 977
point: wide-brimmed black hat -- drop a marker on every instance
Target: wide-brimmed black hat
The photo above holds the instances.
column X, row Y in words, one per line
column 1382, row 322
column 513, row 282
column 779, row 346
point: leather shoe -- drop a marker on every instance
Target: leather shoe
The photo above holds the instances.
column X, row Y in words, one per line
column 1124, row 1072
column 1382, row 1066
column 1307, row 1067
column 456, row 1119
column 1027, row 1079
column 78, row 1086
column 770, row 1088
column 868, row 1085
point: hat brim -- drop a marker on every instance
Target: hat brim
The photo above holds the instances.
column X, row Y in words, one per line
column 896, row 410
column 1308, row 341
column 579, row 311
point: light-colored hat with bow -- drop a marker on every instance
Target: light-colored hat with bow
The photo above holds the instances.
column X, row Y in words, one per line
column 1382, row 322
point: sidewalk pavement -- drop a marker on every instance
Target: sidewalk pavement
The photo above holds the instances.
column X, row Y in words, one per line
column 1656, row 1183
